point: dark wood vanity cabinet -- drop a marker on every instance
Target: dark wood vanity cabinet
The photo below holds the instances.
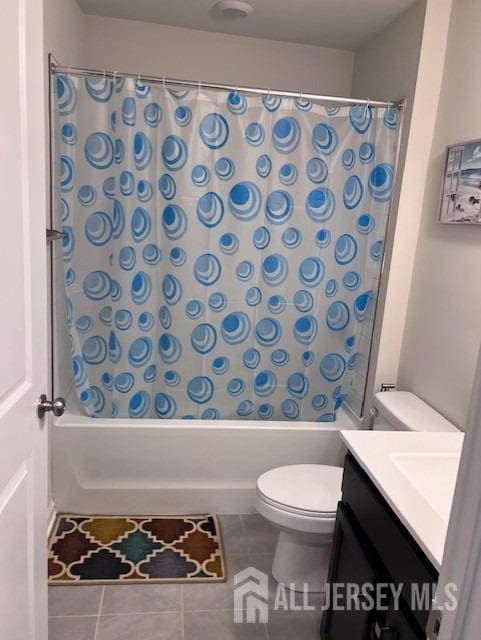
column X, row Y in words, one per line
column 372, row 547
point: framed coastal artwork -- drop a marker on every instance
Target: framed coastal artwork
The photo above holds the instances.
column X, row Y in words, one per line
column 461, row 197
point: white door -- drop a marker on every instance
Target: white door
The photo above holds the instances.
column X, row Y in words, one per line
column 23, row 323
column 462, row 553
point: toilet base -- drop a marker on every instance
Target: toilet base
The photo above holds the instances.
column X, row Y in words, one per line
column 301, row 561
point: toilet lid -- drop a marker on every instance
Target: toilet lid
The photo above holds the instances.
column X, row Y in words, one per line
column 314, row 488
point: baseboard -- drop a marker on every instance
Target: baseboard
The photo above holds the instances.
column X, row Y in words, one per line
column 51, row 517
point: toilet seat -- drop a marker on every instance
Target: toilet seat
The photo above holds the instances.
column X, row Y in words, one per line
column 301, row 497
column 298, row 512
column 304, row 489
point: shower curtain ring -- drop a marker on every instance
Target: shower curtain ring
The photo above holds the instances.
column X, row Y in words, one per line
column 300, row 96
column 163, row 81
column 236, row 92
column 199, row 85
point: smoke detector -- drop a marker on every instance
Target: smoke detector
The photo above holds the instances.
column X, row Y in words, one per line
column 234, row 9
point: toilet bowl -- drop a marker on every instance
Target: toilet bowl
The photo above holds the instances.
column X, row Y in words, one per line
column 301, row 500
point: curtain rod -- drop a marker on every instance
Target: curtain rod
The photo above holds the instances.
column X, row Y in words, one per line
column 56, row 68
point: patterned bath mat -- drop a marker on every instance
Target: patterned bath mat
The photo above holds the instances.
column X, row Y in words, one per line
column 125, row 549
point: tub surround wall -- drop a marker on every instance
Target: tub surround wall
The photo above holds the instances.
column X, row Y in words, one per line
column 442, row 331
column 175, row 466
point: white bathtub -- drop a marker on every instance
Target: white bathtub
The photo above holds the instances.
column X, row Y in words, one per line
column 103, row 466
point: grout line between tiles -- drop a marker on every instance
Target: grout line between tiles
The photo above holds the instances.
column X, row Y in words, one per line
column 99, row 612
column 77, row 615
column 246, row 537
column 243, row 527
column 124, row 613
column 266, row 631
column 231, row 610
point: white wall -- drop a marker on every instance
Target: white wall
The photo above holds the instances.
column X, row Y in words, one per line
column 386, row 68
column 63, row 29
column 63, row 34
column 404, row 60
column 64, row 38
column 443, row 328
column 77, row 39
column 127, row 45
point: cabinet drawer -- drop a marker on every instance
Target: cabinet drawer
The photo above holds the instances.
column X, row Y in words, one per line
column 394, row 545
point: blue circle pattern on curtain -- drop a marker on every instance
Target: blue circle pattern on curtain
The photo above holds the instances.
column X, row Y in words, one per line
column 220, row 250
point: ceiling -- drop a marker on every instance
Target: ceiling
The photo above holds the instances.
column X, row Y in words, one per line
column 344, row 24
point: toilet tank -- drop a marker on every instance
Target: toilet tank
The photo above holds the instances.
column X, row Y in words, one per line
column 404, row 411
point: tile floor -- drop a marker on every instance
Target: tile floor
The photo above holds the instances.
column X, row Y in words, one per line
column 182, row 612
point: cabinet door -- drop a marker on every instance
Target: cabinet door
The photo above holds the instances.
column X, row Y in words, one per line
column 349, row 564
column 388, row 540
column 397, row 626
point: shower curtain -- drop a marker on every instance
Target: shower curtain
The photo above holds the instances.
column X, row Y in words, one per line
column 222, row 252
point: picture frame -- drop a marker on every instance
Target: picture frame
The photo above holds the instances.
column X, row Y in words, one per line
column 461, row 189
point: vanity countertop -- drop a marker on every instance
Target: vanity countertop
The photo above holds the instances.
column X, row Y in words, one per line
column 416, row 474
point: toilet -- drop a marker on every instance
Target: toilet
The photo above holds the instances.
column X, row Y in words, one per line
column 301, row 499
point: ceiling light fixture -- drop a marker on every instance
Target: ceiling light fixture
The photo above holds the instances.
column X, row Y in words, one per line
column 234, row 9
